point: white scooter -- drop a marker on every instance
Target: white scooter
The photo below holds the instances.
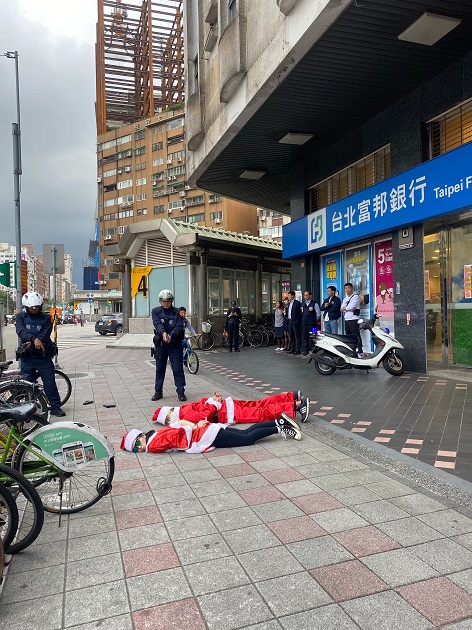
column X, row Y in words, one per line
column 338, row 352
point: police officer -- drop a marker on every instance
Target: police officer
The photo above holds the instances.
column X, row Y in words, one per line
column 233, row 318
column 34, row 328
column 168, row 335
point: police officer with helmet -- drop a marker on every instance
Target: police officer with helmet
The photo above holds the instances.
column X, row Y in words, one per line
column 34, row 328
column 168, row 336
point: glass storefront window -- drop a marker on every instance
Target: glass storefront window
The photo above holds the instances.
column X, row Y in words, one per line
column 214, row 283
column 266, row 297
column 229, row 292
column 241, row 291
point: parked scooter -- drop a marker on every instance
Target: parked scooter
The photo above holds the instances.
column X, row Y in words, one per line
column 338, row 352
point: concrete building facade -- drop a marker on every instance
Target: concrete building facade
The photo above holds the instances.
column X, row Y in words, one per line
column 355, row 120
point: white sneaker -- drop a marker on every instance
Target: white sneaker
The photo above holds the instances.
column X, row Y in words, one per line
column 304, row 409
column 288, row 427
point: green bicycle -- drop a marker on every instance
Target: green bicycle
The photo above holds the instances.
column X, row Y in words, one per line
column 70, row 464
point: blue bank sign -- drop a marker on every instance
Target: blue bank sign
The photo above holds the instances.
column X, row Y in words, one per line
column 435, row 188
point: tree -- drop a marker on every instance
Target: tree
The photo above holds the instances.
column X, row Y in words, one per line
column 7, row 301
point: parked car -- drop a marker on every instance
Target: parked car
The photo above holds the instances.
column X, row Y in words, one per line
column 112, row 324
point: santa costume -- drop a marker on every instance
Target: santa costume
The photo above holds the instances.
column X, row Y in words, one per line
column 231, row 411
column 174, row 437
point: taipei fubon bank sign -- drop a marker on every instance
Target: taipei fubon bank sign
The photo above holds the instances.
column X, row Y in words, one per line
column 438, row 187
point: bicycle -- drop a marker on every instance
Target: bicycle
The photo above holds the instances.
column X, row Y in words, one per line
column 63, row 382
column 9, row 518
column 70, row 464
column 207, row 339
column 190, row 358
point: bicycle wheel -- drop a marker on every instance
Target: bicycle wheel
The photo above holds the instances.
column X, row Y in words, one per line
column 265, row 337
column 30, row 508
column 254, row 338
column 192, row 362
column 241, row 339
column 8, row 517
column 19, row 392
column 225, row 341
column 80, row 488
column 206, row 341
column 64, row 385
column 21, row 428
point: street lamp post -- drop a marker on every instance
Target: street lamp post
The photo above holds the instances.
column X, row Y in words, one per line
column 16, row 131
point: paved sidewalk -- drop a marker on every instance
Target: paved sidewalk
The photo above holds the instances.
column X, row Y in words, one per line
column 318, row 534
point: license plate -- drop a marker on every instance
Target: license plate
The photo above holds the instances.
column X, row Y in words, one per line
column 100, row 323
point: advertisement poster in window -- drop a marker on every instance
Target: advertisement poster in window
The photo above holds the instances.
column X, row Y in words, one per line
column 468, row 282
column 384, row 283
column 357, row 272
column 331, row 273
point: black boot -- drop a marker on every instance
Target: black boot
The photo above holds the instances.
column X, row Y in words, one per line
column 157, row 396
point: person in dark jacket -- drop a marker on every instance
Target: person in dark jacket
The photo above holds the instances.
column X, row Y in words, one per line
column 233, row 319
column 294, row 316
column 331, row 308
column 168, row 335
column 34, row 328
column 310, row 318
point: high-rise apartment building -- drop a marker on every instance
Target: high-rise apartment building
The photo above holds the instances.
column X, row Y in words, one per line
column 141, row 152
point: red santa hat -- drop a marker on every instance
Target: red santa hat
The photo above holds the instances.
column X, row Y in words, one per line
column 161, row 413
column 129, row 439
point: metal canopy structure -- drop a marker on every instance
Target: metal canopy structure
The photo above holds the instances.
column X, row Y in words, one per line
column 356, row 70
column 139, row 60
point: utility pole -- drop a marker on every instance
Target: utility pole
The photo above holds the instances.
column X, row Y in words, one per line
column 16, row 131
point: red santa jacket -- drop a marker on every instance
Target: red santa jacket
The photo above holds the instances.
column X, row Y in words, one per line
column 175, row 437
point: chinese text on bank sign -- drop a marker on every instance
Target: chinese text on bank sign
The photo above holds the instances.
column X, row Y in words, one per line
column 434, row 188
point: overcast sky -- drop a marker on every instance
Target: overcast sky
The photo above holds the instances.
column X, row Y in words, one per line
column 55, row 41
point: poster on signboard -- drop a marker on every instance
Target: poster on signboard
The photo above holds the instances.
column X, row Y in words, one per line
column 468, row 282
column 384, row 283
column 427, row 286
column 331, row 273
column 357, row 272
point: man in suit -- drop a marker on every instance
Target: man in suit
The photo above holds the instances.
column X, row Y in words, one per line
column 332, row 311
column 311, row 317
column 294, row 317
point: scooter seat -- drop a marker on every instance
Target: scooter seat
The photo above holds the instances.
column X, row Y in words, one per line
column 344, row 338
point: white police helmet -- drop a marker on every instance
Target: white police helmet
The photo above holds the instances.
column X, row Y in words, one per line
column 32, row 299
column 165, row 294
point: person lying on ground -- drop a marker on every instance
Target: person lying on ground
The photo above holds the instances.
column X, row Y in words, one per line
column 204, row 436
column 232, row 411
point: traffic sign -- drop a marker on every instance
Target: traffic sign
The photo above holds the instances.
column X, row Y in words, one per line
column 90, row 301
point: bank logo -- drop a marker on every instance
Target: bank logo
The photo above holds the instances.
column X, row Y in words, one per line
column 317, row 229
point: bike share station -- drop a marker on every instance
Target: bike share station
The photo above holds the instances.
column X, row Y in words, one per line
column 404, row 246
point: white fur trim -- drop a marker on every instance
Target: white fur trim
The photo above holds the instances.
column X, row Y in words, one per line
column 161, row 416
column 206, row 440
column 130, row 438
column 212, row 401
column 230, row 409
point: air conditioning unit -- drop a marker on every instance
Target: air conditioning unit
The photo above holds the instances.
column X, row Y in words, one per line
column 169, row 161
column 116, row 261
column 108, row 238
column 99, row 179
column 182, row 193
column 188, row 188
column 179, row 160
column 120, row 170
column 173, row 177
column 169, row 178
column 217, row 220
column 170, row 210
column 127, row 169
column 154, row 182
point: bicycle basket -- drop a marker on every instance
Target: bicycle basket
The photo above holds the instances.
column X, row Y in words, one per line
column 206, row 327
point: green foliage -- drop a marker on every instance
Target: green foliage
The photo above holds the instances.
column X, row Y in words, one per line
column 461, row 336
column 7, row 301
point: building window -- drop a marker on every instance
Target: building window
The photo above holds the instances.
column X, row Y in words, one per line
column 214, row 197
column 158, row 161
column 158, row 209
column 141, row 166
column 451, row 130
column 195, row 201
column 364, row 173
column 141, row 181
column 139, row 135
column 216, row 215
column 195, row 218
column 174, row 205
column 176, row 122
column 140, row 151
column 232, row 10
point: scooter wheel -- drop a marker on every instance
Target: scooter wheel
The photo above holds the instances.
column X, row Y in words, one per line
column 394, row 364
column 324, row 369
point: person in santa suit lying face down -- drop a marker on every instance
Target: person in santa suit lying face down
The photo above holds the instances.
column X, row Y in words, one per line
column 204, row 436
column 231, row 411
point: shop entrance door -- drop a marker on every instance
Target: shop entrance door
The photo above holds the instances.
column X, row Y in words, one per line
column 448, row 292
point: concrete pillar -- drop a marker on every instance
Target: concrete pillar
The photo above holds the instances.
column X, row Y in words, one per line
column 202, row 282
column 126, row 294
column 258, row 289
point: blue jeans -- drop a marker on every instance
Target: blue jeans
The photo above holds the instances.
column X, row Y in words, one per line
column 331, row 326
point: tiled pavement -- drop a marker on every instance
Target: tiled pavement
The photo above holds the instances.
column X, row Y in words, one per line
column 282, row 535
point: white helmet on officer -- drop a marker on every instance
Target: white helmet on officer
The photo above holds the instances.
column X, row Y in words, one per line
column 165, row 294
column 32, row 299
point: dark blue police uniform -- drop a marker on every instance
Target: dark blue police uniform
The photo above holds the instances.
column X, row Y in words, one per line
column 34, row 362
column 169, row 320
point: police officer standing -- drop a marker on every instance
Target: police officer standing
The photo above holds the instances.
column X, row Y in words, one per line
column 168, row 335
column 34, row 328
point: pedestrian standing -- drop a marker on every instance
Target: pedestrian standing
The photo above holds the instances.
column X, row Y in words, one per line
column 279, row 326
column 233, row 319
column 311, row 316
column 331, row 308
column 351, row 308
column 294, row 317
column 34, row 329
column 168, row 335
column 286, row 346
